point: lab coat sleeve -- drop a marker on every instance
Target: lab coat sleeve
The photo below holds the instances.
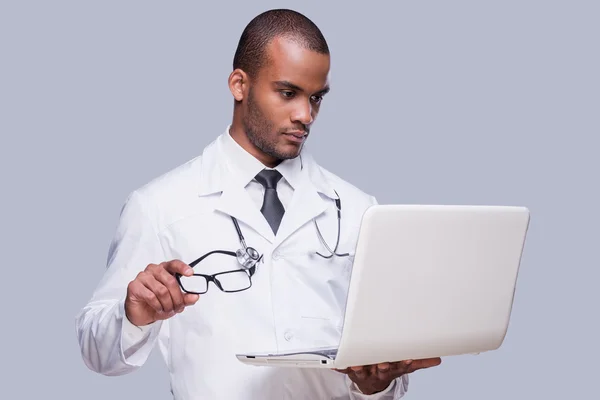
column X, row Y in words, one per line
column 395, row 391
column 110, row 344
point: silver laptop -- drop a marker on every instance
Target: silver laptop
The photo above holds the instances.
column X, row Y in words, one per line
column 427, row 281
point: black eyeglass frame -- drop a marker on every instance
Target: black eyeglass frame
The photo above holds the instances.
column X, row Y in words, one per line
column 213, row 278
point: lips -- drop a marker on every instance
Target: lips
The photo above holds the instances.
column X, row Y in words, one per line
column 296, row 136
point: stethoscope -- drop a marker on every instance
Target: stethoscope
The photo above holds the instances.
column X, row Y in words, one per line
column 338, row 206
column 248, row 257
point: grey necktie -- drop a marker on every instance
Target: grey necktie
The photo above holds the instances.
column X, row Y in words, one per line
column 272, row 208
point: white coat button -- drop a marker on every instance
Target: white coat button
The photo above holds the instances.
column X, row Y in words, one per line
column 288, row 335
column 276, row 255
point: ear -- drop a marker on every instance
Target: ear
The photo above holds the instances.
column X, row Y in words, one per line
column 238, row 84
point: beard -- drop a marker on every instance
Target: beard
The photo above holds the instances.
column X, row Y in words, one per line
column 262, row 133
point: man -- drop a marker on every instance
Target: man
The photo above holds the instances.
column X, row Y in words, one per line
column 255, row 178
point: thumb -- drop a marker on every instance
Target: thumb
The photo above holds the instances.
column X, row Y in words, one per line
column 179, row 267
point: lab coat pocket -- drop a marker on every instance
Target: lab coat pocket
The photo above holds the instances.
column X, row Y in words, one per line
column 317, row 286
column 315, row 332
column 317, row 266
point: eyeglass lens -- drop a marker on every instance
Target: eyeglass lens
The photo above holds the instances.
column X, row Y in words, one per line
column 230, row 281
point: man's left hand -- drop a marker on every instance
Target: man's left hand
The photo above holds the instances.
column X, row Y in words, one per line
column 372, row 379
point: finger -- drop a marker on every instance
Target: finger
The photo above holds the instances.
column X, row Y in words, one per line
column 427, row 362
column 172, row 286
column 383, row 366
column 423, row 364
column 400, row 365
column 372, row 370
column 145, row 294
column 359, row 372
column 190, row 299
column 160, row 291
column 178, row 267
column 383, row 371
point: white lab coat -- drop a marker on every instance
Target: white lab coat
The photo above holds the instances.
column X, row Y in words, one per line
column 296, row 299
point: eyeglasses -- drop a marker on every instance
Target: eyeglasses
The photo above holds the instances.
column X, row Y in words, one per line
column 227, row 281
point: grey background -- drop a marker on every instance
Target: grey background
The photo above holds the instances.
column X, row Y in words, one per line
column 462, row 102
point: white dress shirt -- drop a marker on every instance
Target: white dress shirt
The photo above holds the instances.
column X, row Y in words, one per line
column 175, row 216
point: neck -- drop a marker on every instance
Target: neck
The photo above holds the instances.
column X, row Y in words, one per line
column 238, row 133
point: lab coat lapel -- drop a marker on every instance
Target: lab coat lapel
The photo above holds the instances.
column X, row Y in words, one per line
column 236, row 202
column 311, row 198
column 306, row 204
column 215, row 179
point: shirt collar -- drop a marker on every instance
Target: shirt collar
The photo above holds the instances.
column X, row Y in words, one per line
column 245, row 166
column 224, row 162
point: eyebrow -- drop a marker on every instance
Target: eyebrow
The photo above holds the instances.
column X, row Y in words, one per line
column 290, row 85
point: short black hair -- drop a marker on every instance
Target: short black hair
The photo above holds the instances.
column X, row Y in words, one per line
column 250, row 53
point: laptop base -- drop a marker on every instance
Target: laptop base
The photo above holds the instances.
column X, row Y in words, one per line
column 322, row 358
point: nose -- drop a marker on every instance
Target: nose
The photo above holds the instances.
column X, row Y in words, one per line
column 303, row 113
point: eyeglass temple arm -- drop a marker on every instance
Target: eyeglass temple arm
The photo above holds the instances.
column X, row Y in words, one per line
column 229, row 253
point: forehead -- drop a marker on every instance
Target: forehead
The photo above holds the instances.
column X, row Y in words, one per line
column 290, row 61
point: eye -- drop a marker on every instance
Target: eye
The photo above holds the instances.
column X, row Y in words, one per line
column 317, row 99
column 288, row 94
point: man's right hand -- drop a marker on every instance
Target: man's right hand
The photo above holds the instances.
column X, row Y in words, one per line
column 155, row 294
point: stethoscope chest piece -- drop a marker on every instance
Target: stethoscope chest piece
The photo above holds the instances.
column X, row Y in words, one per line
column 247, row 257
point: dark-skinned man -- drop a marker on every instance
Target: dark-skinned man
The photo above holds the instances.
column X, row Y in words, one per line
column 255, row 178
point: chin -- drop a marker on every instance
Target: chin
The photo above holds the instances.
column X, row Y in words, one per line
column 287, row 155
column 288, row 150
